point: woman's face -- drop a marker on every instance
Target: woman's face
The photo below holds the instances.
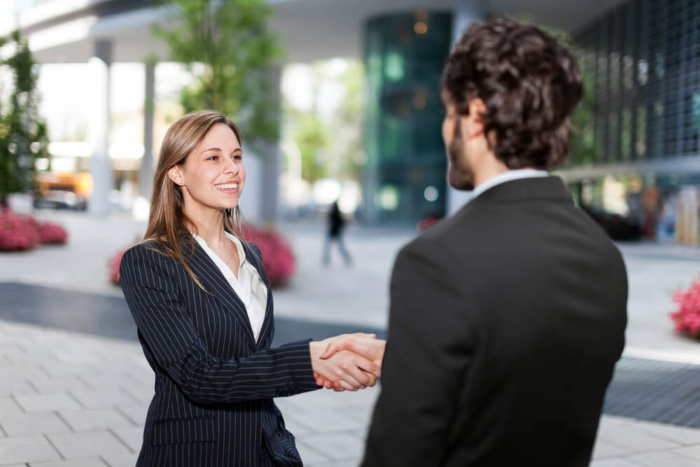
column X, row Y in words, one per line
column 213, row 174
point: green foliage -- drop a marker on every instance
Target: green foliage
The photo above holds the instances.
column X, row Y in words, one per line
column 330, row 144
column 23, row 134
column 312, row 137
column 231, row 40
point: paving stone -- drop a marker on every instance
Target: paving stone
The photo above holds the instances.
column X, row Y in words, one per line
column 9, row 405
column 327, row 420
column 663, row 459
column 310, row 455
column 17, row 387
column 30, row 449
column 32, row 424
column 72, row 463
column 47, row 402
column 605, row 450
column 90, row 420
column 122, row 460
column 689, row 452
column 48, row 385
column 295, row 423
column 84, row 445
column 635, row 441
column 135, row 413
column 336, row 445
column 674, row 434
column 102, row 399
column 132, row 437
column 336, row 463
column 613, row 463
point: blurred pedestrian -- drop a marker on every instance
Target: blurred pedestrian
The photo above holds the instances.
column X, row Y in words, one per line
column 203, row 307
column 336, row 224
column 507, row 318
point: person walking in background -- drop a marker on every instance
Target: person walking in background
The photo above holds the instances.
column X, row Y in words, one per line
column 506, row 319
column 203, row 307
column 336, row 224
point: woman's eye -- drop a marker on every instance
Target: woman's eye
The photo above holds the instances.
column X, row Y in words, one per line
column 212, row 158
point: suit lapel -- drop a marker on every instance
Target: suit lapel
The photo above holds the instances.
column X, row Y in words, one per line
column 268, row 328
column 215, row 283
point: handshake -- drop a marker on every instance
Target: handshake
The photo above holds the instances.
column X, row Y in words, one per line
column 347, row 362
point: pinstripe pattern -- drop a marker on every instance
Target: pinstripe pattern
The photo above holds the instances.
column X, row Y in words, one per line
column 213, row 383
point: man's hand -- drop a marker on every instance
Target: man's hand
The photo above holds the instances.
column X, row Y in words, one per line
column 364, row 345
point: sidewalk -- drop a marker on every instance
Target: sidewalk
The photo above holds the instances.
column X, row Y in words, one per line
column 77, row 400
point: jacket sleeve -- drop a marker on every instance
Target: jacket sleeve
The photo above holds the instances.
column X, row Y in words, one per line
column 152, row 286
column 427, row 357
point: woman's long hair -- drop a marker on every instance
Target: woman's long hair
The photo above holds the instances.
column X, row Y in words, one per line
column 167, row 224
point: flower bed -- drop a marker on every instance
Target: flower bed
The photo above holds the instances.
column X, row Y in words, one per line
column 114, row 263
column 24, row 232
column 278, row 260
column 687, row 316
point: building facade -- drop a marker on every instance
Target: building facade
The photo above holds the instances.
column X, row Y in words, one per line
column 642, row 64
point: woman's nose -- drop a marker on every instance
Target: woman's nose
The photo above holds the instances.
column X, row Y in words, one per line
column 231, row 167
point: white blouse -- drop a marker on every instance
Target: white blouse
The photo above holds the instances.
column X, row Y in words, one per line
column 249, row 286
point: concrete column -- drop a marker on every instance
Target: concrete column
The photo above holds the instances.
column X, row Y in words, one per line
column 466, row 12
column 99, row 68
column 272, row 159
column 147, row 164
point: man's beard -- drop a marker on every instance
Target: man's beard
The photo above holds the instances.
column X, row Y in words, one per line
column 460, row 176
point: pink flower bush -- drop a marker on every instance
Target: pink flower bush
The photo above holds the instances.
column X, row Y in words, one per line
column 114, row 263
column 49, row 232
column 24, row 232
column 687, row 316
column 278, row 260
column 17, row 233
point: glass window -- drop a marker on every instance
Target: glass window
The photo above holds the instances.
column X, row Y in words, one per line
column 626, row 135
column 641, row 133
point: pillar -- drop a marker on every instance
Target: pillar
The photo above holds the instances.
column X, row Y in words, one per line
column 147, row 163
column 101, row 169
column 466, row 12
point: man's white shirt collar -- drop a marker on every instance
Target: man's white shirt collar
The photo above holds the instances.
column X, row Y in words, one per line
column 507, row 176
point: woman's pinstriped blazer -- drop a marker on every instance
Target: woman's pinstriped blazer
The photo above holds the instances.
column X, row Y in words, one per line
column 213, row 383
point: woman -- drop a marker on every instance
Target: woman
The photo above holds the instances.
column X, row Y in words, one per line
column 203, row 308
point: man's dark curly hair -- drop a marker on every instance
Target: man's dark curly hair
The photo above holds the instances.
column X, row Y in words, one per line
column 529, row 83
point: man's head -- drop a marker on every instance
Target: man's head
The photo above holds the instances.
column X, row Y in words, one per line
column 509, row 89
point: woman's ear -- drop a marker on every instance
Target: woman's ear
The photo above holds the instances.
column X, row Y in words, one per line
column 175, row 175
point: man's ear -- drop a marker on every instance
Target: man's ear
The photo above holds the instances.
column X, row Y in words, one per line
column 176, row 175
column 473, row 124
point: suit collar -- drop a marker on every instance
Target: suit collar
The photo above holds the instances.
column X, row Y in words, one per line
column 547, row 189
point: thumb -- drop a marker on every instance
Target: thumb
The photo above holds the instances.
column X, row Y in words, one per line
column 331, row 349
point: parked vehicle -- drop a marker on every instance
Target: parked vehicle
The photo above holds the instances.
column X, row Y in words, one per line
column 619, row 227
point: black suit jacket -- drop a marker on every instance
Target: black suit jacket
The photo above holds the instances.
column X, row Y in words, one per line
column 214, row 383
column 506, row 322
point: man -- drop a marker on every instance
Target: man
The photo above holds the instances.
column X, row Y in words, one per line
column 506, row 319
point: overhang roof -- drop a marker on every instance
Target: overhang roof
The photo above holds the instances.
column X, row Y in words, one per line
column 65, row 30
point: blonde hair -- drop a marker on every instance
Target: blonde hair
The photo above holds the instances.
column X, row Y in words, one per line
column 167, row 222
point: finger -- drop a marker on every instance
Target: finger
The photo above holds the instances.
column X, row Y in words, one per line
column 369, row 366
column 368, row 336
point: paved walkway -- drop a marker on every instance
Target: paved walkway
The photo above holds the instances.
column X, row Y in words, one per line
column 71, row 399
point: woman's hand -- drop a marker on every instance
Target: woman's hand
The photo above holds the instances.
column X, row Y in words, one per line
column 364, row 345
column 345, row 370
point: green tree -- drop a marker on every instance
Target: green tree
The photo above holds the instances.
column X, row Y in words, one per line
column 230, row 39
column 23, row 134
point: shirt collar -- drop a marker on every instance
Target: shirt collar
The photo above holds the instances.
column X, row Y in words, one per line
column 508, row 176
column 233, row 238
